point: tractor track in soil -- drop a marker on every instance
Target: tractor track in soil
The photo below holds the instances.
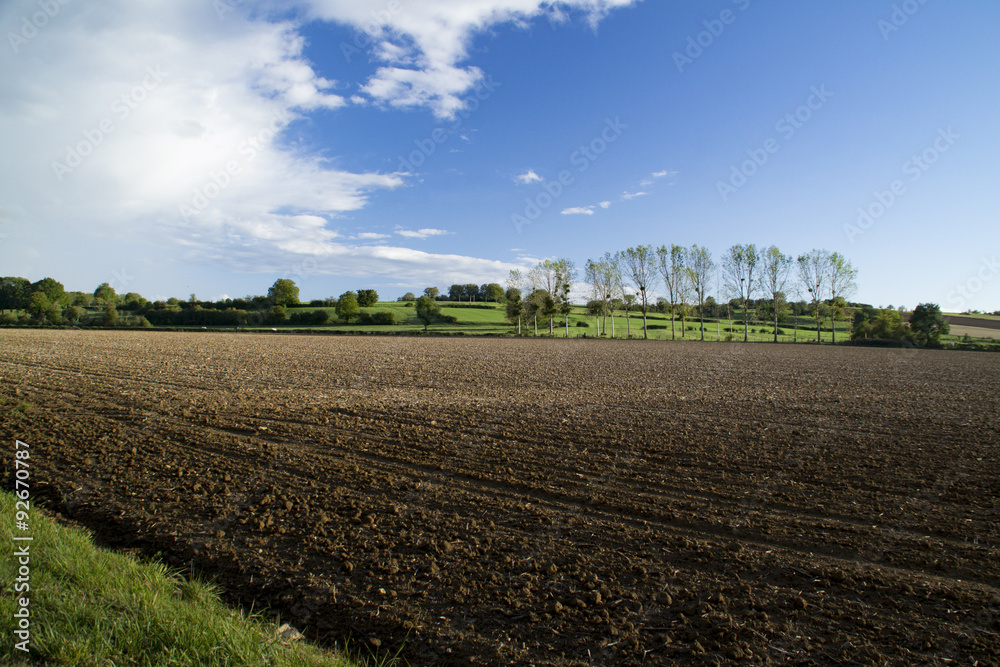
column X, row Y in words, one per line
column 494, row 501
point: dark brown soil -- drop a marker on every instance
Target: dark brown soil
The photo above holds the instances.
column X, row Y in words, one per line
column 496, row 501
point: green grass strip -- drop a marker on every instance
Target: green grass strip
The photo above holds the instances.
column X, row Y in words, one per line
column 90, row 606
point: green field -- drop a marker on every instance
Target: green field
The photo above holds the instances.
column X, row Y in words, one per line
column 492, row 321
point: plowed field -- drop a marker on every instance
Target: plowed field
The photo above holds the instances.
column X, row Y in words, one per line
column 497, row 501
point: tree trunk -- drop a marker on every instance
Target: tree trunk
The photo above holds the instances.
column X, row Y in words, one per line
column 673, row 330
column 701, row 315
column 644, row 334
column 775, row 320
column 612, row 324
column 536, row 324
column 551, row 320
column 819, row 326
column 746, row 323
column 628, row 323
column 718, row 330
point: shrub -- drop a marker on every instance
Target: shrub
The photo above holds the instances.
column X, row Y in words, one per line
column 382, row 317
column 277, row 315
column 8, row 318
column 581, row 323
column 449, row 319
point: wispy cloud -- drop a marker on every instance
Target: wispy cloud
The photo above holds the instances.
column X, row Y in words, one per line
column 632, row 195
column 421, row 233
column 578, row 210
column 370, row 236
column 661, row 174
column 528, row 177
column 605, row 204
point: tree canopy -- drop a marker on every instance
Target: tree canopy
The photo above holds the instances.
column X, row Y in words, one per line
column 284, row 292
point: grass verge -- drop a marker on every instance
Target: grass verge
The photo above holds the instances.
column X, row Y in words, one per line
column 90, row 607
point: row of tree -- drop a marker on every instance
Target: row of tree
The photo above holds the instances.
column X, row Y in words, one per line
column 687, row 275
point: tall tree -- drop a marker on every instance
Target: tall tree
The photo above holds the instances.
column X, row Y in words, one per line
column 598, row 274
column 776, row 268
column 105, row 293
column 639, row 264
column 813, row 272
column 51, row 288
column 565, row 275
column 928, row 324
column 612, row 287
column 347, row 306
column 432, row 292
column 700, row 266
column 494, row 292
column 367, row 298
column 14, row 292
column 671, row 263
column 740, row 266
column 842, row 283
column 555, row 277
column 427, row 310
column 284, row 292
column 515, row 284
column 514, row 307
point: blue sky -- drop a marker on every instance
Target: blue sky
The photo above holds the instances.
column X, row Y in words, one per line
column 396, row 144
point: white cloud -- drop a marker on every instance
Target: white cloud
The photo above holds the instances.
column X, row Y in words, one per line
column 605, row 204
column 423, row 44
column 126, row 117
column 528, row 177
column 421, row 233
column 632, row 195
column 578, row 210
column 370, row 236
column 146, row 105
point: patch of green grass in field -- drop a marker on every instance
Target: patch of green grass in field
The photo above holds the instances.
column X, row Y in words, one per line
column 89, row 606
column 492, row 321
